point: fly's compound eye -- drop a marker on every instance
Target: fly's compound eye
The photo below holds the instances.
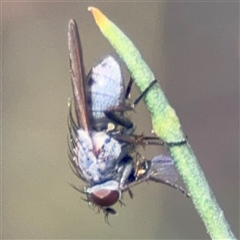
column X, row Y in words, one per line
column 104, row 194
column 105, row 197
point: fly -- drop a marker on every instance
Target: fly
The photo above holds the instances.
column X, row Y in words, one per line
column 101, row 139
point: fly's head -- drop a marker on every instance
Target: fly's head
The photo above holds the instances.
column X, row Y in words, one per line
column 104, row 195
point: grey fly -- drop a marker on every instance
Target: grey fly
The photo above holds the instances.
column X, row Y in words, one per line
column 102, row 139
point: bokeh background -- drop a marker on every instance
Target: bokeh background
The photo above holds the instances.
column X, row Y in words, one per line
column 193, row 49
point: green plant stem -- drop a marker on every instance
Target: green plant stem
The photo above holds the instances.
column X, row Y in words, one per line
column 167, row 127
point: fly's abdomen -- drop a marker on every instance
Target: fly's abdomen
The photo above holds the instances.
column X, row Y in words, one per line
column 106, row 88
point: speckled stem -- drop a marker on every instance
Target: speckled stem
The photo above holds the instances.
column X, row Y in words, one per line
column 167, row 127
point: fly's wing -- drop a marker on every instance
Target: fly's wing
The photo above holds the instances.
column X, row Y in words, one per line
column 159, row 169
column 78, row 77
column 162, row 169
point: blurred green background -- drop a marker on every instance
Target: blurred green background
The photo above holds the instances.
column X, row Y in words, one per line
column 193, row 50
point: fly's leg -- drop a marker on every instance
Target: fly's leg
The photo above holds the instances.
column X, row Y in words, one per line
column 146, row 178
column 148, row 140
column 127, row 173
column 174, row 144
column 138, row 139
column 140, row 97
column 120, row 119
column 125, row 170
column 173, row 185
column 129, row 88
column 116, row 114
column 141, row 166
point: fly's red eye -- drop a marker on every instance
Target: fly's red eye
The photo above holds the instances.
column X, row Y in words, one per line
column 105, row 197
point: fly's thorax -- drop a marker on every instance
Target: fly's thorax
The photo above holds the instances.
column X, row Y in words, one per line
column 98, row 155
column 105, row 194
